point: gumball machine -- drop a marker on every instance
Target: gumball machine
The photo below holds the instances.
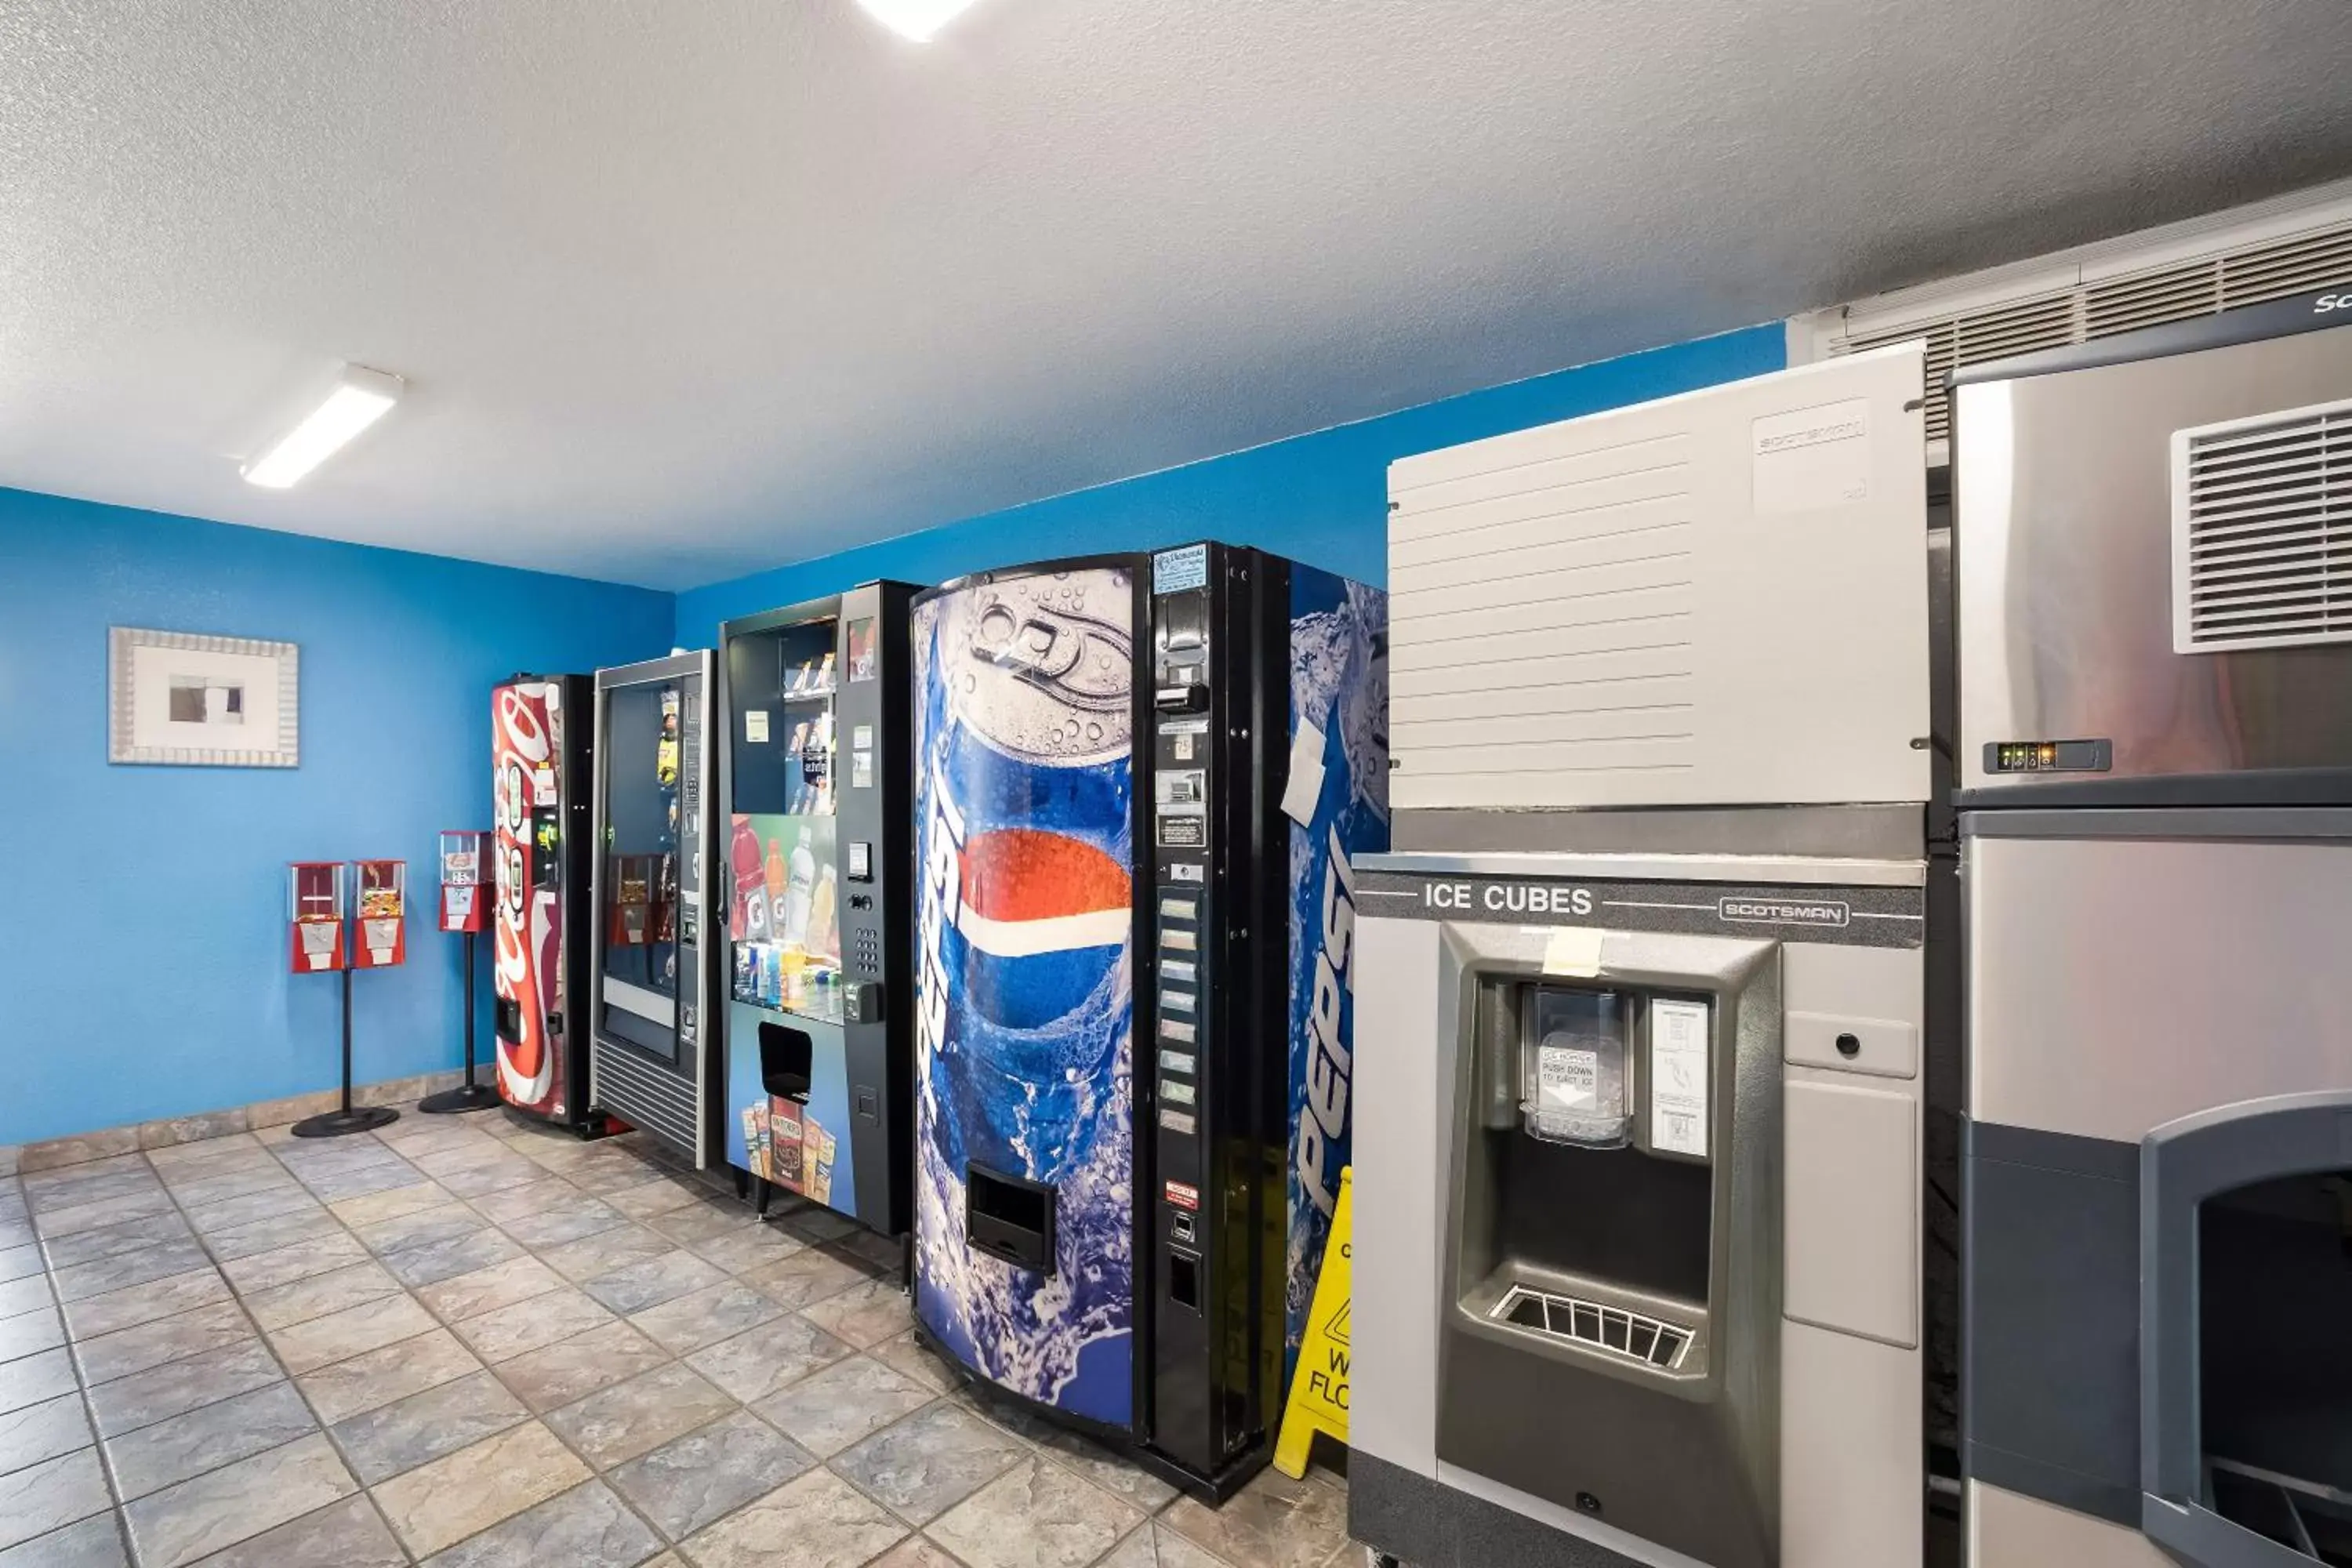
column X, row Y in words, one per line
column 464, row 914
column 384, row 914
column 318, row 909
column 315, row 913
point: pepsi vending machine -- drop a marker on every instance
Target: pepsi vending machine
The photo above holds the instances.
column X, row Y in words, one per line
column 542, row 867
column 1138, row 783
column 816, row 879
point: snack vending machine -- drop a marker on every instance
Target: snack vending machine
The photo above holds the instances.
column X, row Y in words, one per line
column 816, row 883
column 1138, row 783
column 541, row 750
column 654, row 1033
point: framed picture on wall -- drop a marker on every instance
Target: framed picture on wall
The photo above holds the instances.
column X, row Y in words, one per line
column 190, row 701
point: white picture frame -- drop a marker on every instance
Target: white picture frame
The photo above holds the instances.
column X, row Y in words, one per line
column 185, row 700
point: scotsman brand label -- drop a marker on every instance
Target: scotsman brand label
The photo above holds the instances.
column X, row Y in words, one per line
column 1786, row 911
column 1860, row 917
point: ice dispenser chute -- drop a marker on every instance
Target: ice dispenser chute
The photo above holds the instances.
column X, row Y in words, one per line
column 1613, row 1245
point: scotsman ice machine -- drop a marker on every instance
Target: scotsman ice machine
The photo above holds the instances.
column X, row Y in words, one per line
column 817, row 877
column 1138, row 783
column 655, row 951
column 1643, row 991
column 2155, row 570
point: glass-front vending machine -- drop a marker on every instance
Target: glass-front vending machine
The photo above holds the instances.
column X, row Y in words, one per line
column 651, row 1045
column 816, row 875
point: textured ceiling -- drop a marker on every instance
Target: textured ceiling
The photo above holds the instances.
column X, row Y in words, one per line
column 686, row 289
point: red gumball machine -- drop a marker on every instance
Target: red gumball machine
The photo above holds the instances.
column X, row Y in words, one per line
column 316, row 909
column 463, row 864
column 384, row 914
column 466, row 897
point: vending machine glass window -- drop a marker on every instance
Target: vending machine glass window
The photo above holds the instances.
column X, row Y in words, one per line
column 641, row 849
column 784, row 892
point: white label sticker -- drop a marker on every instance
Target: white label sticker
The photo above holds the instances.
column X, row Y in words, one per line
column 1574, row 951
column 755, row 726
column 861, row 737
column 1678, row 1053
column 1812, row 459
column 1173, row 571
column 1567, row 1078
column 1305, row 789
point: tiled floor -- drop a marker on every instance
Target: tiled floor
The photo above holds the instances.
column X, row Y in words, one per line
column 473, row 1344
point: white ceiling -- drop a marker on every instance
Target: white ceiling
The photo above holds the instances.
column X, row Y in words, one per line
column 689, row 288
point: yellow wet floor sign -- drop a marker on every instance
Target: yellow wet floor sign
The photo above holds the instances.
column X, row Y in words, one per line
column 1319, row 1389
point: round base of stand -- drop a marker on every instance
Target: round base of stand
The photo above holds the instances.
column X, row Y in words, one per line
column 454, row 1102
column 341, row 1123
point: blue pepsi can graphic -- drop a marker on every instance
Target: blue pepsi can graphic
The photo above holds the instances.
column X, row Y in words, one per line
column 1026, row 865
column 1338, row 736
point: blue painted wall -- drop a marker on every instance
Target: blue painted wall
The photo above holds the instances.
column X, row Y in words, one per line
column 142, row 949
column 1321, row 497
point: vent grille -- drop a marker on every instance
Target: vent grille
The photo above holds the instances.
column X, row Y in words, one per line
column 2262, row 524
column 653, row 1098
column 2179, row 291
column 1649, row 1341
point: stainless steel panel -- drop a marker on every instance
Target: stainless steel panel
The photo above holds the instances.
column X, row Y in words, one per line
column 2063, row 540
column 2114, row 984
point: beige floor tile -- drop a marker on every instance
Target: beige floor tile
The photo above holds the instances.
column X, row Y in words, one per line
column 1038, row 1515
column 392, row 1371
column 442, row 1503
column 816, row 1521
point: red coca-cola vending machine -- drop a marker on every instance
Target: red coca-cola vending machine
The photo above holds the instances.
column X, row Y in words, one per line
column 543, row 865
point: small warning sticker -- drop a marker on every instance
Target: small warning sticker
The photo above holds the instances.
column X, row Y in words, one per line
column 1184, row 1197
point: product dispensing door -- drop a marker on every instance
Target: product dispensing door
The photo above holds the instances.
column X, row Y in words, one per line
column 655, row 964
column 1612, row 1245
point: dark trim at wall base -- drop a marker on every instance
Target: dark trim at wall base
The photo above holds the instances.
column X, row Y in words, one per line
column 1429, row 1524
column 50, row 1154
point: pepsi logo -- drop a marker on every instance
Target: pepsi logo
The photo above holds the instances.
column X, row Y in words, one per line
column 1044, row 917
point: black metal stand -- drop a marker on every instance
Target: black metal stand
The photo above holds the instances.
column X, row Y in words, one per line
column 350, row 1119
column 472, row 1096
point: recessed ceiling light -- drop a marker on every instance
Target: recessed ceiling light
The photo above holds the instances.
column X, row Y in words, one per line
column 917, row 19
column 361, row 397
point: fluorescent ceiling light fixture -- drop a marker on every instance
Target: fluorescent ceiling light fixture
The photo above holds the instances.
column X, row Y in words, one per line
column 916, row 19
column 361, row 398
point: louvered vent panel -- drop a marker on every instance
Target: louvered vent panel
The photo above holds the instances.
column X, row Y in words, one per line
column 1941, row 338
column 2297, row 266
column 2262, row 531
column 2151, row 298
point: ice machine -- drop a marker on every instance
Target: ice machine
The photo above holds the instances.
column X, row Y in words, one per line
column 655, row 950
column 1138, row 783
column 817, row 885
column 1643, row 984
column 2155, row 610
